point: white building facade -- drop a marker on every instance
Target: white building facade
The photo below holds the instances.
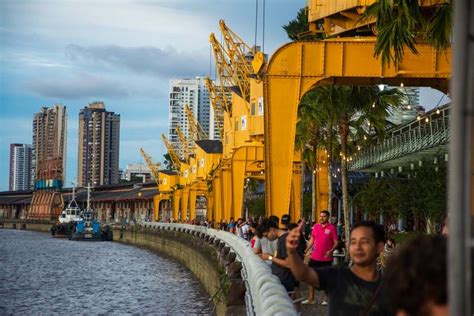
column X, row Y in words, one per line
column 20, row 167
column 193, row 93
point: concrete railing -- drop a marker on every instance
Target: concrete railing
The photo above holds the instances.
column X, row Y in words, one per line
column 265, row 295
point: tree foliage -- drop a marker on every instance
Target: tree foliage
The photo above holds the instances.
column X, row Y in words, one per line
column 401, row 24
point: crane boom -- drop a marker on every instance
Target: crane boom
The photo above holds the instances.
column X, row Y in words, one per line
column 220, row 104
column 183, row 143
column 240, row 56
column 172, row 152
column 154, row 168
column 197, row 132
column 223, row 67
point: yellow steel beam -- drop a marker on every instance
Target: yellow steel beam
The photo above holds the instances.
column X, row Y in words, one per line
column 184, row 203
column 217, row 197
column 210, row 208
column 226, row 192
column 176, row 200
column 192, row 204
column 298, row 67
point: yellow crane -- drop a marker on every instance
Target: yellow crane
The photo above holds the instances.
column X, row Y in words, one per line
column 197, row 132
column 220, row 104
column 154, row 167
column 240, row 57
column 184, row 144
column 172, row 152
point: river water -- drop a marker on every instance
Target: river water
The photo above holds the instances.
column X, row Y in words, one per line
column 43, row 275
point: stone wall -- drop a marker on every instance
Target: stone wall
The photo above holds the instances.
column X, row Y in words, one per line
column 40, row 226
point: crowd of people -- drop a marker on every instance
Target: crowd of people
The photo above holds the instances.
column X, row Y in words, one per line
column 379, row 279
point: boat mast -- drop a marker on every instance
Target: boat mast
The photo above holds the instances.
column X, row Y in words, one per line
column 88, row 195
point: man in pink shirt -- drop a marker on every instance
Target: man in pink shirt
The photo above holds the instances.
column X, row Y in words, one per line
column 324, row 239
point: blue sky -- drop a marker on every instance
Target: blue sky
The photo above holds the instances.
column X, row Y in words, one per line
column 122, row 52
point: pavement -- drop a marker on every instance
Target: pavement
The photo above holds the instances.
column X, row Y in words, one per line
column 313, row 309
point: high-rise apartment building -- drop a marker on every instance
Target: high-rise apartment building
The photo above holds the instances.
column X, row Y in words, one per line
column 193, row 93
column 20, row 167
column 99, row 140
column 48, row 153
column 410, row 107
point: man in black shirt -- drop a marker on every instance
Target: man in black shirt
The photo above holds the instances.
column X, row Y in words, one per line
column 351, row 291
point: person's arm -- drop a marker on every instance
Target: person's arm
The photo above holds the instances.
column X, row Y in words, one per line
column 309, row 245
column 280, row 262
column 335, row 243
column 299, row 270
column 257, row 247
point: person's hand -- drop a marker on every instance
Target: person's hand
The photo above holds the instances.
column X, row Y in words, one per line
column 328, row 254
column 293, row 239
column 265, row 256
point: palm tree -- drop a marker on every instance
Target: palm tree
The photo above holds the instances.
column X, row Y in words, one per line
column 309, row 138
column 402, row 23
column 358, row 112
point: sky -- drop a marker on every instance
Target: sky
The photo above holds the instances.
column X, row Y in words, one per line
column 121, row 52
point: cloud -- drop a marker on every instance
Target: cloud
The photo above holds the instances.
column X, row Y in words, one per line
column 165, row 63
column 78, row 87
column 152, row 123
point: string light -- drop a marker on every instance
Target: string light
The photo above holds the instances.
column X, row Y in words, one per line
column 365, row 137
column 373, row 105
column 418, row 118
column 401, row 84
column 438, row 111
column 427, row 120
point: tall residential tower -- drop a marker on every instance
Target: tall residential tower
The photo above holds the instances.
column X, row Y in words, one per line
column 193, row 93
column 99, row 140
column 49, row 147
column 20, row 167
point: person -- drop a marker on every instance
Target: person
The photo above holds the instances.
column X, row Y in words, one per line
column 285, row 221
column 416, row 277
column 325, row 241
column 354, row 290
column 279, row 262
column 253, row 234
column 263, row 245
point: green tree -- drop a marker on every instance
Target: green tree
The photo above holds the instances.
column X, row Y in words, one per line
column 401, row 24
column 168, row 163
column 298, row 28
column 359, row 112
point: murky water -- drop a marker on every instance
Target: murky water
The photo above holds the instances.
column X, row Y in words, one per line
column 43, row 275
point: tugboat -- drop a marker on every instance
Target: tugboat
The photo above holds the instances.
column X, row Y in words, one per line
column 89, row 228
column 68, row 219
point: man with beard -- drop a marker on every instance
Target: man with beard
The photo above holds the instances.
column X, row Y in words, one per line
column 354, row 290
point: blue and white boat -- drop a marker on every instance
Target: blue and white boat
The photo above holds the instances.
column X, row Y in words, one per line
column 89, row 228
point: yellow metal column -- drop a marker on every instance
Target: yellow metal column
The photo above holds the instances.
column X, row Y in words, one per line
column 217, row 197
column 156, row 207
column 239, row 160
column 192, row 204
column 176, row 198
column 226, row 195
column 184, row 203
column 322, row 183
column 295, row 205
column 210, row 206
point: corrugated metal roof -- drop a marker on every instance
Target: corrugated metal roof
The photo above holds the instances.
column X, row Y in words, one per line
column 210, row 146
